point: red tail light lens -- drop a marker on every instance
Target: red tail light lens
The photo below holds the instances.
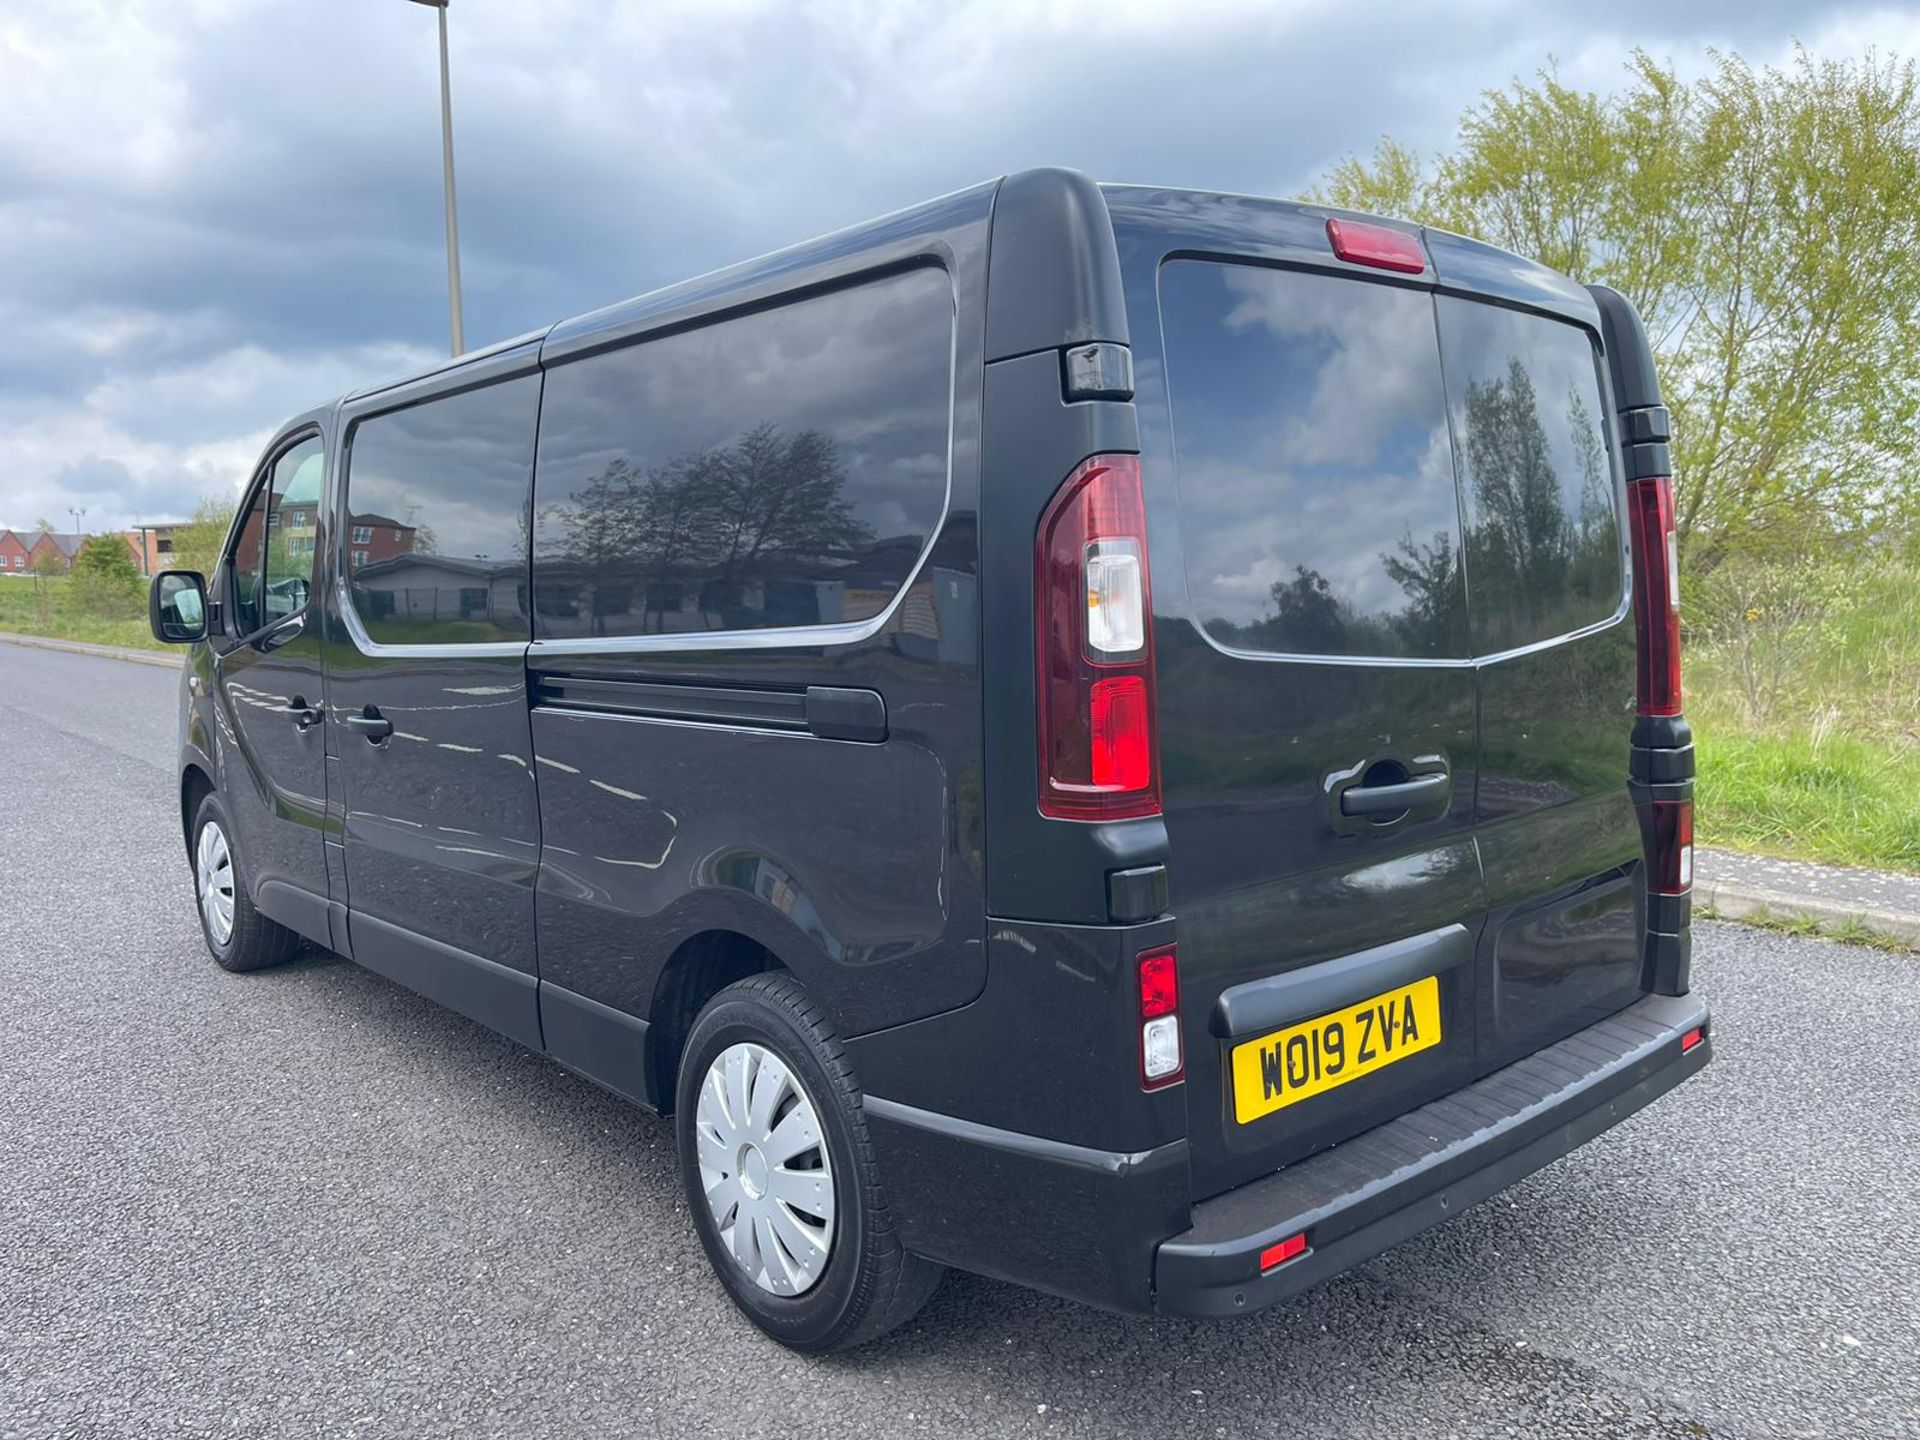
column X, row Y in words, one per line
column 1656, row 594
column 1380, row 246
column 1692, row 1038
column 1094, row 647
column 1672, row 847
column 1161, row 1059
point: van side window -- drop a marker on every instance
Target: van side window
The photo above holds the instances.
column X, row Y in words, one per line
column 440, row 492
column 1543, row 542
column 1318, row 510
column 780, row 468
column 272, row 565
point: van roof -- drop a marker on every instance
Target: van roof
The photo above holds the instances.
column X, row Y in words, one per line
column 1215, row 221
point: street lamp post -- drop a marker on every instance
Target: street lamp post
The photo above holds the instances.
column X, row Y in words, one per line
column 457, row 325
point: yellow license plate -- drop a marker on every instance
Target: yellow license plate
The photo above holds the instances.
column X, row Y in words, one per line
column 1321, row 1054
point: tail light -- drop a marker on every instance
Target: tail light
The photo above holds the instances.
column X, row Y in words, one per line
column 1161, row 1060
column 1094, row 647
column 1656, row 594
column 1672, row 872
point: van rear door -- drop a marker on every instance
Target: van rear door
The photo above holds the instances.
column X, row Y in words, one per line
column 1547, row 567
column 1317, row 703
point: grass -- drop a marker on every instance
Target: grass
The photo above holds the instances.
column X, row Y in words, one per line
column 1804, row 696
column 45, row 607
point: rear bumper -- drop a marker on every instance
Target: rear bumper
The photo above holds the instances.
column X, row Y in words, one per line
column 1375, row 1190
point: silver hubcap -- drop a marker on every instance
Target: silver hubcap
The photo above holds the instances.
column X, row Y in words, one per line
column 213, row 880
column 765, row 1170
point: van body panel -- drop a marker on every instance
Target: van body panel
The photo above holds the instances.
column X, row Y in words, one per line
column 271, row 769
column 442, row 828
column 712, row 806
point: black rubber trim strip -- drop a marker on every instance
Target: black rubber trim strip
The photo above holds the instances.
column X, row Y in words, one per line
column 1267, row 1004
column 778, row 709
column 1035, row 1147
column 829, row 711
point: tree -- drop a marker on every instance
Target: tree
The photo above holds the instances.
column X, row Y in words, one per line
column 1766, row 224
column 104, row 580
column 196, row 544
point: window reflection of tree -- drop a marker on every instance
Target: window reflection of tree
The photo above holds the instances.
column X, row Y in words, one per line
column 766, row 512
column 1539, row 563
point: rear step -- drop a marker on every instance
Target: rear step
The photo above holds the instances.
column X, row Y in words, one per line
column 1379, row 1188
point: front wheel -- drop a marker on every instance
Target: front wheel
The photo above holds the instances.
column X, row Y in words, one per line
column 780, row 1175
column 238, row 936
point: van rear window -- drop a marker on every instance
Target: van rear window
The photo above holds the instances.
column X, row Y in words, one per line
column 1544, row 554
column 1318, row 509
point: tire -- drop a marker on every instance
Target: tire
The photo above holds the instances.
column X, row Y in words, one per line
column 791, row 1064
column 252, row 941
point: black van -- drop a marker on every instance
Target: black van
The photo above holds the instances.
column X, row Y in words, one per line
column 1127, row 740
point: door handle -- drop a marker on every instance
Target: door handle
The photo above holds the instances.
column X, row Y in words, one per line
column 372, row 724
column 1394, row 799
column 303, row 715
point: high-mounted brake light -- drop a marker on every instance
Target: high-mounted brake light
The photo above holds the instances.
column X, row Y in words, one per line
column 1656, row 594
column 1094, row 647
column 1380, row 246
column 1672, row 847
column 1161, row 1061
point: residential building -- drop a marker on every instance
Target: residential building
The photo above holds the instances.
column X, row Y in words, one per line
column 152, row 545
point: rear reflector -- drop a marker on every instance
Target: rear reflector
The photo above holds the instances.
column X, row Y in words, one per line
column 1692, row 1038
column 1290, row 1248
column 1656, row 594
column 1377, row 245
column 1093, row 616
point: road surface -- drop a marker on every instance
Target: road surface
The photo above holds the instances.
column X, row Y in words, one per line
column 307, row 1202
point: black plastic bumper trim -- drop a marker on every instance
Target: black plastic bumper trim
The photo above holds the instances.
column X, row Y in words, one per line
column 1266, row 1004
column 1035, row 1147
column 1377, row 1189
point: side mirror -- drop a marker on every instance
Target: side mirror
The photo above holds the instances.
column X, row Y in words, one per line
column 177, row 607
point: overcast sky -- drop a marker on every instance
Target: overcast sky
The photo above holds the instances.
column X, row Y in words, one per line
column 216, row 213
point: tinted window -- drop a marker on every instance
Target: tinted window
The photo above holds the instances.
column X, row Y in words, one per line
column 1318, row 508
column 436, row 525
column 781, row 468
column 272, row 565
column 1543, row 546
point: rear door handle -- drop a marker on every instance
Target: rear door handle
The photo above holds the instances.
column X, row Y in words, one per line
column 303, row 715
column 375, row 726
column 1394, row 799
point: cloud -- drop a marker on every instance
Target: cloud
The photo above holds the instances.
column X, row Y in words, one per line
column 214, row 213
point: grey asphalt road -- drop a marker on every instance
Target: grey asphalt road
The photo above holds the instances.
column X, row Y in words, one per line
column 307, row 1202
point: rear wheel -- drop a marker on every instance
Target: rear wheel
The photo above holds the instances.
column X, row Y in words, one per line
column 780, row 1176
column 239, row 936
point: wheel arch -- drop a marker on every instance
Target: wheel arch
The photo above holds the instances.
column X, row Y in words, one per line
column 700, row 967
column 195, row 785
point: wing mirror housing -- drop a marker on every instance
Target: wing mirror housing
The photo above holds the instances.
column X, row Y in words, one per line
column 177, row 607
